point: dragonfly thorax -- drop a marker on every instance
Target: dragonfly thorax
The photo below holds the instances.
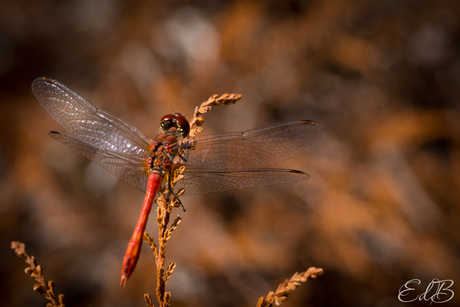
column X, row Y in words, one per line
column 164, row 149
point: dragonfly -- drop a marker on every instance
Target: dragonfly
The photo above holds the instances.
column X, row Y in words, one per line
column 213, row 163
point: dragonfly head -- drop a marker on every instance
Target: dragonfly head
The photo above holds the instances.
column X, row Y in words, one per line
column 175, row 123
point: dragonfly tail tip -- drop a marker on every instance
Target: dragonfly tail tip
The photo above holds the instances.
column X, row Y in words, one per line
column 123, row 281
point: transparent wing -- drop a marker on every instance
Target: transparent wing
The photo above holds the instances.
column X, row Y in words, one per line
column 256, row 148
column 200, row 181
column 89, row 124
column 131, row 170
column 217, row 163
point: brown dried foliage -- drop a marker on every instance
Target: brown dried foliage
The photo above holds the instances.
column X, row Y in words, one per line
column 282, row 293
column 34, row 270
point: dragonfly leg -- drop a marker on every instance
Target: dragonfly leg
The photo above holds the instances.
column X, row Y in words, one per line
column 174, row 195
column 187, row 145
column 178, row 200
column 184, row 159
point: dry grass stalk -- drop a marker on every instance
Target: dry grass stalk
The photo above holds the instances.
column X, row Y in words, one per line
column 36, row 271
column 163, row 216
column 282, row 293
column 214, row 100
column 166, row 204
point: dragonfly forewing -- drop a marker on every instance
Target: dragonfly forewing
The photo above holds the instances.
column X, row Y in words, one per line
column 88, row 123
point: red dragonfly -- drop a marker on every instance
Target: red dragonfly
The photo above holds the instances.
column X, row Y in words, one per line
column 214, row 163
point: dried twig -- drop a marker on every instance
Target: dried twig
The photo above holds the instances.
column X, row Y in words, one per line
column 36, row 271
column 282, row 293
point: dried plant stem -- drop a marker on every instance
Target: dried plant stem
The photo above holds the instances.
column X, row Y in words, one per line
column 164, row 214
column 165, row 206
column 36, row 271
column 282, row 293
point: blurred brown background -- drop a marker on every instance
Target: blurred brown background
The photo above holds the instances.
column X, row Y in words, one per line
column 381, row 206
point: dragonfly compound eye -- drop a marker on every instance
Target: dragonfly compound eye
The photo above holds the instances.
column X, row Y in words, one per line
column 177, row 121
